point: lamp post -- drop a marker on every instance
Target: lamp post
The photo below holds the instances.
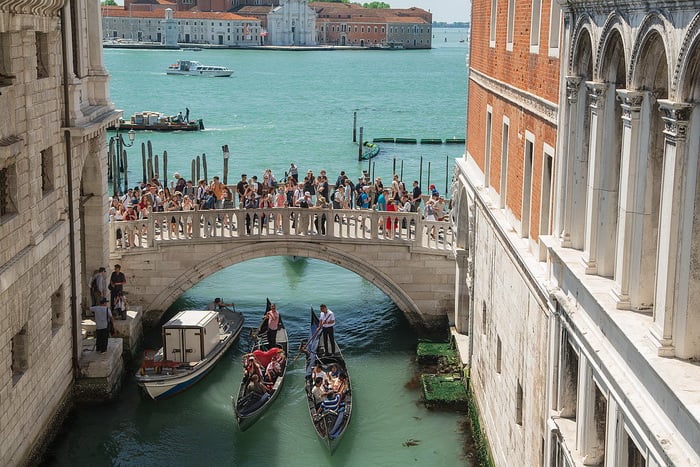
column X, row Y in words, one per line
column 118, row 162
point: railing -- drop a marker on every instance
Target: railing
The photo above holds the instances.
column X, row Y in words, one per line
column 279, row 224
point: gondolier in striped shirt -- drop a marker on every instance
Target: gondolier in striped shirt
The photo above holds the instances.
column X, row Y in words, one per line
column 327, row 323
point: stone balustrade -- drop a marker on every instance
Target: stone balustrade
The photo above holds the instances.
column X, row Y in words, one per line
column 273, row 224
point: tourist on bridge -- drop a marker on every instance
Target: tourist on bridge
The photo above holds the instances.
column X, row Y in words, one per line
column 417, row 196
column 327, row 324
column 98, row 286
column 217, row 305
column 293, row 172
column 241, row 187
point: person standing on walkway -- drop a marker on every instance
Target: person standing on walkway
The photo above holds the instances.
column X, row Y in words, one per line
column 103, row 316
column 98, row 286
column 273, row 322
column 116, row 284
column 327, row 323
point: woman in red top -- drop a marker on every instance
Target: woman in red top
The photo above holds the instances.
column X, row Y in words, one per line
column 389, row 218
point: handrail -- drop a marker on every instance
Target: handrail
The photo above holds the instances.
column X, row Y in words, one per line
column 275, row 224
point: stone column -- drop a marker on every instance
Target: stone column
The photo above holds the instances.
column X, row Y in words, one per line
column 632, row 188
column 597, row 95
column 462, row 311
column 675, row 229
column 565, row 162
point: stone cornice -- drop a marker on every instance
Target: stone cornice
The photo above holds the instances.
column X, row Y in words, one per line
column 32, row 7
column 675, row 116
column 541, row 107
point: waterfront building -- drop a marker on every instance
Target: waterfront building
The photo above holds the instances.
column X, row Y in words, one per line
column 193, row 27
column 291, row 23
column 577, row 264
column 351, row 24
column 55, row 99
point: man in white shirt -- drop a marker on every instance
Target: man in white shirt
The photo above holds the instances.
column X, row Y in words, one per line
column 327, row 324
column 102, row 318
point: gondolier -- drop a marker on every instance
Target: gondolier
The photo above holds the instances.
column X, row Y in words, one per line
column 273, row 321
column 217, row 304
column 327, row 328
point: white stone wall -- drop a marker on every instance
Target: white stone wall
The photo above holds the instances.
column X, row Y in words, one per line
column 40, row 274
column 507, row 307
column 292, row 23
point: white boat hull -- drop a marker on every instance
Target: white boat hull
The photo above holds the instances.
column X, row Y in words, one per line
column 171, row 381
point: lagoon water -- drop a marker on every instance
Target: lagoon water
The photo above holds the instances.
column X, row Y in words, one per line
column 277, row 108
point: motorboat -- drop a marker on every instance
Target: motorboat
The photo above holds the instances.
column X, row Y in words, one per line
column 194, row 68
column 193, row 342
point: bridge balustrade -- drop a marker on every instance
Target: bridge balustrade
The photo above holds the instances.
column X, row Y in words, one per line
column 274, row 224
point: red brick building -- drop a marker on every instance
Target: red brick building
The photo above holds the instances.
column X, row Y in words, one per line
column 513, row 95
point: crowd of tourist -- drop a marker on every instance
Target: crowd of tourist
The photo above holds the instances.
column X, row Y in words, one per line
column 269, row 192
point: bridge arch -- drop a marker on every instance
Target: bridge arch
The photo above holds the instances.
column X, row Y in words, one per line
column 396, row 284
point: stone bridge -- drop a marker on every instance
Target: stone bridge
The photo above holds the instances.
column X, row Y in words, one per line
column 408, row 258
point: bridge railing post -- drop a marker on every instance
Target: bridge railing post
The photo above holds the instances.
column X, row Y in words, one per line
column 112, row 234
column 151, row 232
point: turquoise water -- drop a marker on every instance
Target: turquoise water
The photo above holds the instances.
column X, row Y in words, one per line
column 281, row 107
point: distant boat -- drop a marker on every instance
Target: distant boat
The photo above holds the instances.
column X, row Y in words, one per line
column 194, row 68
column 371, row 151
column 157, row 121
column 191, row 49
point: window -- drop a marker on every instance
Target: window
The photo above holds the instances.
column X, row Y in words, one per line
column 519, row 403
column 6, row 76
column 46, row 170
column 527, row 184
column 535, row 26
column 42, row 55
column 511, row 25
column 8, row 191
column 487, row 151
column 554, row 24
column 504, row 162
column 57, row 310
column 20, row 354
column 546, row 195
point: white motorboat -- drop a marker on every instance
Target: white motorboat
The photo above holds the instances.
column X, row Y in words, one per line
column 193, row 341
column 194, row 68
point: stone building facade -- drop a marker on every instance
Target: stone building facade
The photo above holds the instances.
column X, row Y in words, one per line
column 55, row 101
column 577, row 202
column 292, row 23
column 217, row 28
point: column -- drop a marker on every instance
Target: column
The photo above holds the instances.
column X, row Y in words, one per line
column 632, row 187
column 565, row 166
column 462, row 311
column 597, row 95
column 675, row 226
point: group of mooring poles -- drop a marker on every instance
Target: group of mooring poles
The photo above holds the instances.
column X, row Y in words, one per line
column 117, row 166
column 371, row 164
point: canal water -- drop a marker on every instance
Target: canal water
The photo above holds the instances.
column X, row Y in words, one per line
column 277, row 108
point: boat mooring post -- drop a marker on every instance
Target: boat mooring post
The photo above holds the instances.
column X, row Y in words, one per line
column 401, row 176
column 156, row 169
column 354, row 127
column 165, row 168
column 359, row 150
column 226, row 152
column 150, row 160
column 420, row 172
column 427, row 182
column 204, row 167
column 110, row 166
column 126, row 172
column 194, row 173
column 393, row 168
column 143, row 161
column 447, row 171
column 150, row 166
column 199, row 167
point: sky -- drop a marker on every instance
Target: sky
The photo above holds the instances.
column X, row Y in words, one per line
column 449, row 11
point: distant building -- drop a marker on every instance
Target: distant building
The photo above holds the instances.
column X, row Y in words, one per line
column 217, row 28
column 351, row 24
column 292, row 23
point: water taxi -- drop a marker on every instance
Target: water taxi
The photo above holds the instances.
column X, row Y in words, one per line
column 194, row 68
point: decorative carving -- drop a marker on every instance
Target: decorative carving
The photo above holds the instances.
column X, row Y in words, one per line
column 631, row 101
column 675, row 116
column 683, row 63
column 596, row 94
column 582, row 24
column 572, row 85
column 614, row 22
column 655, row 20
column 32, row 7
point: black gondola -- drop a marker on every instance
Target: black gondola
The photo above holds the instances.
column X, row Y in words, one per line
column 249, row 406
column 330, row 425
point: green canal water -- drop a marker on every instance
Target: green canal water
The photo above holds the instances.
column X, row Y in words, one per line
column 277, row 108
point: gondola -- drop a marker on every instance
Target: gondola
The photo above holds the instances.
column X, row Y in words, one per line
column 250, row 406
column 331, row 425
